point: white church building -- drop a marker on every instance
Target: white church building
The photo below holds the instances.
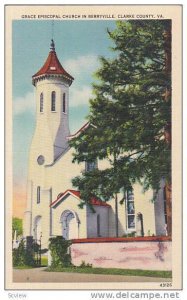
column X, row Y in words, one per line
column 52, row 202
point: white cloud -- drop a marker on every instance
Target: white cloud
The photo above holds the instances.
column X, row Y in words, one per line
column 24, row 104
column 80, row 97
column 81, row 69
column 83, row 64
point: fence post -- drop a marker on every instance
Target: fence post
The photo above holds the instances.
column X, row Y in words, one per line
column 29, row 243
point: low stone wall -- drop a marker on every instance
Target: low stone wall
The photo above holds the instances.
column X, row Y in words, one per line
column 147, row 253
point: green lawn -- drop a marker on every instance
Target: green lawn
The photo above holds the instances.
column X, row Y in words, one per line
column 44, row 263
column 23, row 267
column 112, row 271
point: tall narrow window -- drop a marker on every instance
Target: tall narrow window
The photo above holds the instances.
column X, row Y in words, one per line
column 130, row 210
column 64, row 103
column 41, row 102
column 98, row 226
column 38, row 194
column 53, row 101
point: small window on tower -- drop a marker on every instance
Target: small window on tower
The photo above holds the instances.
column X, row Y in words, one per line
column 64, row 103
column 53, row 101
column 38, row 194
column 41, row 102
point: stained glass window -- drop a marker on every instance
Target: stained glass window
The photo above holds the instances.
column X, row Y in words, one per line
column 130, row 210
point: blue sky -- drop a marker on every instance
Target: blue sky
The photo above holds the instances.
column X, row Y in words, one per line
column 78, row 46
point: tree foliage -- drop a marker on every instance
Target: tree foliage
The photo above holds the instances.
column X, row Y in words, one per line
column 59, row 248
column 17, row 224
column 22, row 257
column 128, row 114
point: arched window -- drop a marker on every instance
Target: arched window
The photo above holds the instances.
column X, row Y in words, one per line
column 53, row 101
column 41, row 102
column 64, row 103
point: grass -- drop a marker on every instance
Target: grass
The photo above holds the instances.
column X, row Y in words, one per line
column 44, row 263
column 23, row 267
column 112, row 271
column 105, row 271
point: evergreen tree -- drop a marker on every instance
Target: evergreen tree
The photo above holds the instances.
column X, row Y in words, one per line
column 129, row 114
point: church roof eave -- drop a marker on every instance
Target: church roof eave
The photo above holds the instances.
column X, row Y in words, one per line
column 94, row 201
column 83, row 128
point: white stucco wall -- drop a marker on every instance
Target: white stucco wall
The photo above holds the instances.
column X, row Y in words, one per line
column 92, row 230
column 145, row 205
column 70, row 203
column 41, row 209
column 52, row 127
column 58, row 176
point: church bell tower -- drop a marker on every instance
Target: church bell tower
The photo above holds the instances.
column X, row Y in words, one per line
column 49, row 141
column 52, row 107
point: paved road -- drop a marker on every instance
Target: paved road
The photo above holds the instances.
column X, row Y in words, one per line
column 39, row 275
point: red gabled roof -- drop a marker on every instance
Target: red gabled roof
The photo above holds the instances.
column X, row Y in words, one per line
column 52, row 66
column 93, row 201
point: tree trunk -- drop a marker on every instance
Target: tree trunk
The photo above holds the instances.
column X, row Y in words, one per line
column 116, row 215
column 169, row 208
column 167, row 129
column 116, row 200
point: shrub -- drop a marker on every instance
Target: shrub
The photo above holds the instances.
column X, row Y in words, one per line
column 22, row 257
column 84, row 265
column 60, row 253
column 130, row 234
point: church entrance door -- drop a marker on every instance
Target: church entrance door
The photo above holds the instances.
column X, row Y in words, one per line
column 69, row 225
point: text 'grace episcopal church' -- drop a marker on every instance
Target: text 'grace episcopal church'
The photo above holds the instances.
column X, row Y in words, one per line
column 52, row 203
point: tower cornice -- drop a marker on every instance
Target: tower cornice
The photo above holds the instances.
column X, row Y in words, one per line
column 60, row 77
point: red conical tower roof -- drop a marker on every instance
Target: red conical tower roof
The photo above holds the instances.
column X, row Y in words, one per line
column 52, row 68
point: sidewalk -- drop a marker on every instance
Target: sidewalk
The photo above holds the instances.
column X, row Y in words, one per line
column 39, row 275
